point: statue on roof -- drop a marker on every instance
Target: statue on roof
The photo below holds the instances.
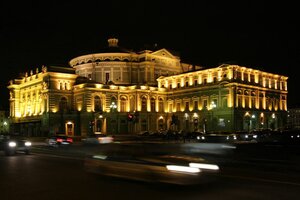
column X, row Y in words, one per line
column 44, row 69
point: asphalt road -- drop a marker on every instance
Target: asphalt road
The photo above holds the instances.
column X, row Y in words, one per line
column 59, row 174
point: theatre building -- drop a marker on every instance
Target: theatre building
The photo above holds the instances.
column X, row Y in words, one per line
column 119, row 91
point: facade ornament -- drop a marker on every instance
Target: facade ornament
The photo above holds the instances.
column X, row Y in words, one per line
column 113, row 42
column 45, row 86
column 31, row 74
column 44, row 69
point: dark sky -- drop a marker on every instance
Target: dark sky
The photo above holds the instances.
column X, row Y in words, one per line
column 255, row 34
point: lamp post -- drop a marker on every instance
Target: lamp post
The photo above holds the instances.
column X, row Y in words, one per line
column 5, row 126
column 213, row 105
column 113, row 108
column 247, row 119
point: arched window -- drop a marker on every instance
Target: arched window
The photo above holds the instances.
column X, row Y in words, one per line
column 97, row 104
column 187, row 106
column 253, row 104
column 247, row 102
column 195, row 105
column 196, row 82
column 123, row 104
column 240, row 102
column 144, row 103
column 132, row 104
column 63, row 104
column 161, row 105
column 152, row 104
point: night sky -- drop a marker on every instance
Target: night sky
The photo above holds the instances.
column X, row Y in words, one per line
column 255, row 34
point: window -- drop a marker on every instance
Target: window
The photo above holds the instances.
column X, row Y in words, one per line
column 123, row 104
column 224, row 103
column 97, row 104
column 178, row 85
column 170, row 107
column 240, row 102
column 187, row 106
column 261, row 103
column 205, row 81
column 63, row 104
column 196, row 82
column 106, row 77
column 187, row 84
column 253, row 103
column 161, row 105
column 195, row 105
column 152, row 104
column 205, row 104
column 247, row 102
column 144, row 104
column 132, row 104
column 178, row 107
column 252, row 78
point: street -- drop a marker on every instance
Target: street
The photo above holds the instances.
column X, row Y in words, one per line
column 58, row 175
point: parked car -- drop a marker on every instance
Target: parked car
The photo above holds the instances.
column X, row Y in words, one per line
column 14, row 144
column 98, row 139
column 59, row 140
column 132, row 163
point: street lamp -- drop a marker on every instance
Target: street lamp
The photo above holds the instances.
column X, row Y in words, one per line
column 113, row 107
column 247, row 118
column 212, row 106
column 5, row 126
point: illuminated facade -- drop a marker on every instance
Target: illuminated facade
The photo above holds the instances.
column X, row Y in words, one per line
column 119, row 92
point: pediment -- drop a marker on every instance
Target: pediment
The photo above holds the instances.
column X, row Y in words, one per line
column 164, row 53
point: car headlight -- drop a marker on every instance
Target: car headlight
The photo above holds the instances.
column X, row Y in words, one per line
column 200, row 138
column 178, row 168
column 12, row 144
column 27, row 144
column 204, row 166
